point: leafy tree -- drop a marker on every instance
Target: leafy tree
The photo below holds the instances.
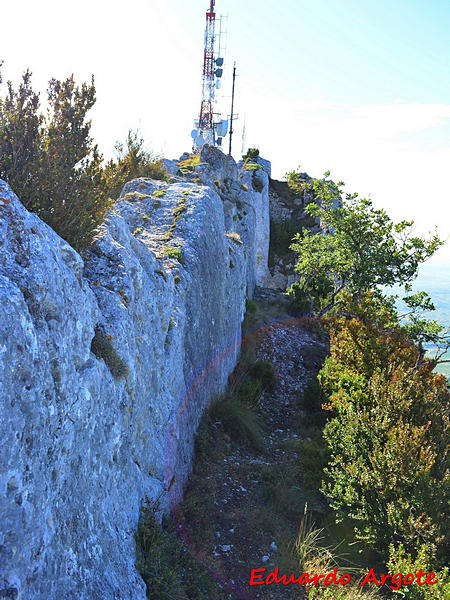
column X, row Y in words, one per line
column 357, row 248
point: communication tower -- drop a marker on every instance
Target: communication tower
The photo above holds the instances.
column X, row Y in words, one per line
column 209, row 129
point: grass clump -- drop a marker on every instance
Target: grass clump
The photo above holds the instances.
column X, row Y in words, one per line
column 188, row 165
column 263, row 371
column 165, row 563
column 102, row 347
column 309, row 554
column 175, row 253
column 239, row 421
column 250, row 306
column 159, row 193
column 179, row 209
column 135, row 196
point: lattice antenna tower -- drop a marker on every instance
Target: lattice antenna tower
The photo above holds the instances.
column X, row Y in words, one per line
column 207, row 130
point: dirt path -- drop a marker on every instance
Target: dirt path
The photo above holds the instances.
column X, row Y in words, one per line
column 254, row 499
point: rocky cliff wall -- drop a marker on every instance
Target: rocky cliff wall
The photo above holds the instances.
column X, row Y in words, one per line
column 107, row 362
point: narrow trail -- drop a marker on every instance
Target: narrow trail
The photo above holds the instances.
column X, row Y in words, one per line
column 248, row 529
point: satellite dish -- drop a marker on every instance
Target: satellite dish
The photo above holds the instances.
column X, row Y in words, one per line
column 218, row 84
column 194, row 134
column 199, row 141
column 222, row 128
column 219, row 62
column 218, row 73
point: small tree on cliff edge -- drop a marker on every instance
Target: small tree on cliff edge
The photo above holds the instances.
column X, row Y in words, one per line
column 358, row 248
column 50, row 160
column 52, row 164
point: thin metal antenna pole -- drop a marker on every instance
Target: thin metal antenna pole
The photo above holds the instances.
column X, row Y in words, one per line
column 232, row 107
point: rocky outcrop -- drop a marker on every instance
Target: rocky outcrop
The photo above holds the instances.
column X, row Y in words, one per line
column 107, row 362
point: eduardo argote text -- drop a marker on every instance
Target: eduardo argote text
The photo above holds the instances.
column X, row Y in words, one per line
column 395, row 581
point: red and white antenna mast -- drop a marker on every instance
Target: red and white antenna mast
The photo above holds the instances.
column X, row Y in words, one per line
column 206, row 129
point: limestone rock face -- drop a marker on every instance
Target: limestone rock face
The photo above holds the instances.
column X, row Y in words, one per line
column 106, row 365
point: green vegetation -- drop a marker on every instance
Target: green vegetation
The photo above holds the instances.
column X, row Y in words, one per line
column 102, row 347
column 167, row 566
column 250, row 306
column 386, row 435
column 238, row 420
column 176, row 253
column 159, row 193
column 252, row 153
column 132, row 161
column 52, row 164
column 361, row 249
column 188, row 165
column 251, row 166
column 281, row 237
column 135, row 196
column 179, row 209
column 298, row 183
column 386, row 470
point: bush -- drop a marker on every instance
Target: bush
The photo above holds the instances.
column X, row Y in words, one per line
column 132, row 161
column 239, row 421
column 52, row 164
column 300, row 302
column 165, row 564
column 51, row 161
column 252, row 153
column 281, row 237
column 263, row 371
column 388, row 468
column 400, row 562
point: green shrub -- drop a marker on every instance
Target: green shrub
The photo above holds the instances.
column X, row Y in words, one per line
column 250, row 306
column 102, row 347
column 166, row 565
column 239, row 421
column 176, row 253
column 387, row 437
column 264, row 371
column 188, row 165
column 249, row 392
column 132, row 161
column 252, row 153
column 300, row 302
column 401, row 562
column 52, row 164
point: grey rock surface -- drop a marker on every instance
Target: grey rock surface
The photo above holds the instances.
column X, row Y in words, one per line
column 106, row 365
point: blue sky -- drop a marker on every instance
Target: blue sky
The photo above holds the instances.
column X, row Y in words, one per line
column 358, row 87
